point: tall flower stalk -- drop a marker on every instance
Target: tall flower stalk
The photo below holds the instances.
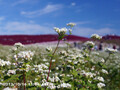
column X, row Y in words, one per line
column 61, row 33
column 52, row 58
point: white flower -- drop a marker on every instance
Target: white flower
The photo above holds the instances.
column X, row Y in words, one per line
column 110, row 50
column 96, row 36
column 36, row 84
column 102, row 60
column 7, row 88
column 3, row 63
column 48, row 85
column 61, row 31
column 49, row 49
column 18, row 45
column 57, row 29
column 64, row 53
column 53, row 60
column 11, row 72
column 99, row 78
column 64, row 85
column 100, row 85
column 89, row 44
column 71, row 24
column 25, row 55
column 104, row 71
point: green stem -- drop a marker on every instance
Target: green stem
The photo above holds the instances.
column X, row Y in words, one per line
column 51, row 59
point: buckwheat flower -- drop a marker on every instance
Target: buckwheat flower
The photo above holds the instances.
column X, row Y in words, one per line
column 15, row 57
column 18, row 45
column 96, row 36
column 57, row 68
column 95, row 53
column 100, row 85
column 11, row 72
column 64, row 53
column 2, row 62
column 89, row 44
column 57, row 29
column 49, row 49
column 61, row 31
column 71, row 24
column 93, row 68
column 44, row 59
column 48, row 85
column 28, row 67
column 7, row 62
column 65, row 85
column 75, row 62
column 14, row 49
column 36, row 84
column 53, row 60
column 110, row 50
column 69, row 61
column 27, row 55
column 47, row 63
column 8, row 88
column 100, row 79
column 104, row 71
column 102, row 60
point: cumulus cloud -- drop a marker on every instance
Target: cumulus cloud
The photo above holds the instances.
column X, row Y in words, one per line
column 48, row 9
column 24, row 28
column 33, row 28
column 83, row 31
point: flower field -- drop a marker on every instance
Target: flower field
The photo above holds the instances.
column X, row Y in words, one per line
column 59, row 68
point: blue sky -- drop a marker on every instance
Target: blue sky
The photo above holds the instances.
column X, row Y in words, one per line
column 40, row 16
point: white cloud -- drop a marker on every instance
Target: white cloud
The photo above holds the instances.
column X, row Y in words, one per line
column 82, row 22
column 73, row 4
column 82, row 31
column 33, row 28
column 2, row 18
column 48, row 9
column 24, row 28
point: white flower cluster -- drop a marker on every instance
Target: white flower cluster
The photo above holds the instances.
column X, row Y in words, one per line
column 3, row 63
column 64, row 53
column 49, row 85
column 99, row 78
column 71, row 24
column 64, row 85
column 104, row 71
column 96, row 36
column 49, row 49
column 11, row 72
column 54, row 79
column 8, row 88
column 18, row 45
column 87, row 74
column 41, row 68
column 27, row 55
column 100, row 85
column 89, row 44
column 28, row 67
column 110, row 50
column 61, row 31
column 102, row 60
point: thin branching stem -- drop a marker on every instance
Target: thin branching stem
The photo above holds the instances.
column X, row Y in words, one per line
column 52, row 58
